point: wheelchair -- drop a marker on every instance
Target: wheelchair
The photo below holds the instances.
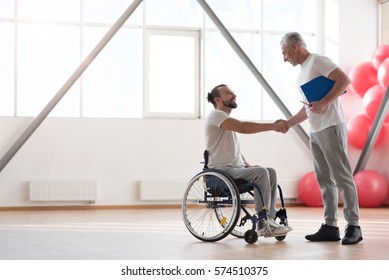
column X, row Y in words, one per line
column 215, row 205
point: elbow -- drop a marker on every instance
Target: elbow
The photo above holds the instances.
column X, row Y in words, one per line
column 347, row 81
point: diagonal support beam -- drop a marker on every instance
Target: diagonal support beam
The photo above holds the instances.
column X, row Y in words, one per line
column 373, row 134
column 242, row 55
column 69, row 83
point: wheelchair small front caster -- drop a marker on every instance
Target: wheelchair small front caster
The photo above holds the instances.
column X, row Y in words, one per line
column 280, row 238
column 251, row 236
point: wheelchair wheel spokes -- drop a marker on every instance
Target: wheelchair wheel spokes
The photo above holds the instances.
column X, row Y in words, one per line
column 203, row 199
column 247, row 211
column 223, row 214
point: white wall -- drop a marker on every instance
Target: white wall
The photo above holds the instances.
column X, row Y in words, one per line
column 118, row 153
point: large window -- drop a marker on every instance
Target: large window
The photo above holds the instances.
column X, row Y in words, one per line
column 161, row 63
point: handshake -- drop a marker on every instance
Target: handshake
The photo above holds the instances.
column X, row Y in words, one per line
column 281, row 126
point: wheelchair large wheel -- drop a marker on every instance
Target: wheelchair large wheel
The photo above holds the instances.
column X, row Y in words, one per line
column 211, row 206
column 247, row 211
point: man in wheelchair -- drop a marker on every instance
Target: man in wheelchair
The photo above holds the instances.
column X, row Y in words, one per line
column 224, row 154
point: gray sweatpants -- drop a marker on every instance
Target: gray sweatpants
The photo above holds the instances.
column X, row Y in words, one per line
column 333, row 173
column 264, row 178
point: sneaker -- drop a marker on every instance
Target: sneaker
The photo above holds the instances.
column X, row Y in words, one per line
column 277, row 229
column 285, row 224
column 261, row 227
column 325, row 233
column 353, row 234
column 289, row 228
column 269, row 228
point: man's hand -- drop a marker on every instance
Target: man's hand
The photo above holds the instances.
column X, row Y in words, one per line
column 281, row 126
column 317, row 107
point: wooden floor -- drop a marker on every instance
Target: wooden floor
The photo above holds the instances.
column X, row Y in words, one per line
column 160, row 234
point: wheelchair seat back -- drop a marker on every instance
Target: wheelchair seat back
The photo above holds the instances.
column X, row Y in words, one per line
column 218, row 187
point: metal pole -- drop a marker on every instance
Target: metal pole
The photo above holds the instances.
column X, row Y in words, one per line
column 373, row 134
column 69, row 83
column 300, row 131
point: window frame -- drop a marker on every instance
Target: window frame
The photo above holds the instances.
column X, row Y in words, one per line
column 179, row 32
column 383, row 29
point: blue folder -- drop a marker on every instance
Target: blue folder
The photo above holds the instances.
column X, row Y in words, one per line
column 317, row 88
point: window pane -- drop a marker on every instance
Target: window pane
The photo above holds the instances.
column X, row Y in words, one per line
column 108, row 11
column 173, row 13
column 112, row 84
column 223, row 66
column 236, row 13
column 7, row 8
column 172, row 74
column 49, row 9
column 295, row 15
column 47, row 56
column 281, row 76
column 6, row 69
column 332, row 31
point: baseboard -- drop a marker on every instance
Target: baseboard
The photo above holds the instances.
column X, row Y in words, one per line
column 90, row 207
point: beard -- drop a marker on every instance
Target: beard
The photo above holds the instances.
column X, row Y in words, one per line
column 230, row 104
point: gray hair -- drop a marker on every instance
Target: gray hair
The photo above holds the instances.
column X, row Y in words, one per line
column 293, row 38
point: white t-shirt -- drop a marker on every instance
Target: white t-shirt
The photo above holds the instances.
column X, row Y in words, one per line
column 317, row 65
column 223, row 145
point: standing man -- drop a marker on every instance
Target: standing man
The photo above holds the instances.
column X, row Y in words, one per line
column 223, row 147
column 328, row 140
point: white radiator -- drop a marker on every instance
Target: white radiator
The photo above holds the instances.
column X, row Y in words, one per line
column 63, row 191
column 161, row 191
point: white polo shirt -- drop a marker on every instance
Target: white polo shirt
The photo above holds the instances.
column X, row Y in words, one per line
column 317, row 65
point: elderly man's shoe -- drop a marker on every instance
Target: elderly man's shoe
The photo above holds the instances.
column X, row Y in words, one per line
column 325, row 233
column 353, row 235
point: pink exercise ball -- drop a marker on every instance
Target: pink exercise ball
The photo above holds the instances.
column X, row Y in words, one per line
column 309, row 190
column 372, row 101
column 383, row 74
column 372, row 188
column 358, row 129
column 379, row 55
column 363, row 76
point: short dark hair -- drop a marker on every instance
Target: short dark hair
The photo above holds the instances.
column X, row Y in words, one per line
column 293, row 37
column 213, row 94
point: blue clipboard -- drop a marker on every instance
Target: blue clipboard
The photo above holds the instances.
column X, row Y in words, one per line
column 317, row 88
